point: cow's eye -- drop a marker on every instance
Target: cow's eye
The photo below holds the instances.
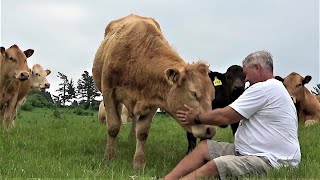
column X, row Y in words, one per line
column 194, row 94
column 299, row 85
column 229, row 77
column 12, row 59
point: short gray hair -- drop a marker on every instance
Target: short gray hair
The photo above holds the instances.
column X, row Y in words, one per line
column 264, row 58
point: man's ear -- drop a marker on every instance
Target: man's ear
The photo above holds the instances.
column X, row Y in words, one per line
column 306, row 80
column 279, row 78
column 172, row 75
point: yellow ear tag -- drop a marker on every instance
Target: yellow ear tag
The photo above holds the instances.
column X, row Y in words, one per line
column 216, row 81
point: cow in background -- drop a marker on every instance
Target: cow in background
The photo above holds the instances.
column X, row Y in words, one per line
column 14, row 70
column 228, row 87
column 125, row 117
column 136, row 66
column 37, row 81
column 307, row 104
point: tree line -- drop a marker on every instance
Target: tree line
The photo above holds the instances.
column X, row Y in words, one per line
column 82, row 93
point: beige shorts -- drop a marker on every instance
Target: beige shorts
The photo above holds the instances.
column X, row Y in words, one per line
column 231, row 164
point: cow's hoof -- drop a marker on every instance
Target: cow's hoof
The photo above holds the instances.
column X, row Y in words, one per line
column 138, row 162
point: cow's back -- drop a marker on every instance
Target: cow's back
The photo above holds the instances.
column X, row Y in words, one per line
column 129, row 45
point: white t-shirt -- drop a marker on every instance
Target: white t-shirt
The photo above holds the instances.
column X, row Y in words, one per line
column 271, row 125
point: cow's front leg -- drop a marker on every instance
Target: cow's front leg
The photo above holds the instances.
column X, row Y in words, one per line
column 10, row 111
column 142, row 130
column 113, row 123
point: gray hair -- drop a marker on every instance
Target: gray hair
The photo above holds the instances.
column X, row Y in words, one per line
column 264, row 58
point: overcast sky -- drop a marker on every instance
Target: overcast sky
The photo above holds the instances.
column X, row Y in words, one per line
column 66, row 34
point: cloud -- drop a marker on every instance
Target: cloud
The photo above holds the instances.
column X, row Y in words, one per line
column 66, row 34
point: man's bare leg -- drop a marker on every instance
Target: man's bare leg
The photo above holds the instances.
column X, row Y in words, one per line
column 208, row 170
column 194, row 160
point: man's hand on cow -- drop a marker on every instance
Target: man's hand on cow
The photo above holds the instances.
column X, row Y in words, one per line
column 187, row 117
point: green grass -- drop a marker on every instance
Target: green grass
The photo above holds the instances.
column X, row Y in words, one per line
column 48, row 144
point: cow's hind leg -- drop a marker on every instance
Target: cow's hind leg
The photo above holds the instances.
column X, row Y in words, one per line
column 132, row 133
column 113, row 123
column 142, row 130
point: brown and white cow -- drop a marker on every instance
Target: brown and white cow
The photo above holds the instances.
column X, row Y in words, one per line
column 14, row 70
column 135, row 66
column 308, row 106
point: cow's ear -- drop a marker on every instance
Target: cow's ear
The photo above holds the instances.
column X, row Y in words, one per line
column 306, row 80
column 3, row 51
column 48, row 71
column 172, row 75
column 215, row 74
column 28, row 52
column 279, row 78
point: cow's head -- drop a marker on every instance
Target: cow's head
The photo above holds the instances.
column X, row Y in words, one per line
column 14, row 63
column 191, row 85
column 294, row 83
column 39, row 77
column 235, row 79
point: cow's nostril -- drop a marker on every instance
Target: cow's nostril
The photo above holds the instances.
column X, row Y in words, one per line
column 208, row 131
column 47, row 85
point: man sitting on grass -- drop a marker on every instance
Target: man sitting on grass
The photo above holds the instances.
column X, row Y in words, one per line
column 267, row 135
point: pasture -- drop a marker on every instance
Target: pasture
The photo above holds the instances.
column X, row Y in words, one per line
column 47, row 143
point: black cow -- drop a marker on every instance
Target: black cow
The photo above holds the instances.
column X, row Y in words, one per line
column 228, row 87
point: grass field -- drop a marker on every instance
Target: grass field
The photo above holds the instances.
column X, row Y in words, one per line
column 48, row 143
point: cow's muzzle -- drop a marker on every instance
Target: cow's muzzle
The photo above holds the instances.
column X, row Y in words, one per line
column 23, row 76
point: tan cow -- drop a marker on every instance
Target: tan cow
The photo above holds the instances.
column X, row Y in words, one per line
column 14, row 70
column 125, row 116
column 308, row 106
column 136, row 66
column 37, row 81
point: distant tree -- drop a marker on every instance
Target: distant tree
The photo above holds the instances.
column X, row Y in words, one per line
column 71, row 90
column 64, row 89
column 87, row 91
column 317, row 90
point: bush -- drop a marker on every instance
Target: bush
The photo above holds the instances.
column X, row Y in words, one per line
column 56, row 114
column 27, row 106
column 81, row 112
column 36, row 99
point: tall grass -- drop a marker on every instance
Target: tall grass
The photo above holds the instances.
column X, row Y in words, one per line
column 49, row 143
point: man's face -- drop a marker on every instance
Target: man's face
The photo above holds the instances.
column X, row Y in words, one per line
column 251, row 73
